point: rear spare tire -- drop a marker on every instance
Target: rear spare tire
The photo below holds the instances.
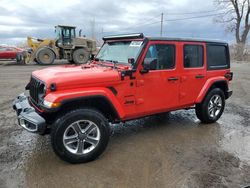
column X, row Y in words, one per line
column 45, row 56
column 81, row 56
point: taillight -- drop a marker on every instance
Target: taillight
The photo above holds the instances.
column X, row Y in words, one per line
column 229, row 75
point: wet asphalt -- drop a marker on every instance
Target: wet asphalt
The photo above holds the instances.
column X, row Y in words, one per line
column 171, row 150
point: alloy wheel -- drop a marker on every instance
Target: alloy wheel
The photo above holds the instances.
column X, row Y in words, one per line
column 215, row 106
column 81, row 137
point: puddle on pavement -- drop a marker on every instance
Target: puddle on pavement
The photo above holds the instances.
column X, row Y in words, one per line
column 170, row 150
column 235, row 136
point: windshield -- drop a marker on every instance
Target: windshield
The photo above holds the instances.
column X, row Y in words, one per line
column 66, row 32
column 58, row 33
column 120, row 51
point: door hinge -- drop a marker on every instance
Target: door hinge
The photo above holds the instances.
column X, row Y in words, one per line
column 139, row 83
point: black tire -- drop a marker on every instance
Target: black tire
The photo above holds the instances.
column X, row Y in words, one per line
column 63, row 123
column 20, row 58
column 71, row 61
column 81, row 56
column 45, row 56
column 204, row 110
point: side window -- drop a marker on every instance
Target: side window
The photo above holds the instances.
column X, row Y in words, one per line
column 217, row 56
column 164, row 54
column 193, row 56
column 72, row 33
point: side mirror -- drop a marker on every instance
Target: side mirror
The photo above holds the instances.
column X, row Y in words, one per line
column 149, row 64
column 92, row 57
column 131, row 61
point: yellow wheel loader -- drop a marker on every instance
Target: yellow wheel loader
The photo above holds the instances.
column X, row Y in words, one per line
column 66, row 46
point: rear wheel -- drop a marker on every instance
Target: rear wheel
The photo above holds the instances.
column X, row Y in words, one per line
column 212, row 107
column 80, row 136
column 81, row 56
column 45, row 56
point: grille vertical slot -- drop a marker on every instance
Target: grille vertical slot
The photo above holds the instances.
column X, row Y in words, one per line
column 34, row 89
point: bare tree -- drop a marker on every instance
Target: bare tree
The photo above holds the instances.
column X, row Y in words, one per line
column 236, row 17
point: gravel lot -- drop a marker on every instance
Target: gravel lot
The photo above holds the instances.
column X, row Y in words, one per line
column 171, row 151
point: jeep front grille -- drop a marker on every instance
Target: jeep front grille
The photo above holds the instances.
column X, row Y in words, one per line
column 34, row 87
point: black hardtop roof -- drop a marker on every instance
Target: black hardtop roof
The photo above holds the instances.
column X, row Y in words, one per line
column 141, row 36
column 186, row 39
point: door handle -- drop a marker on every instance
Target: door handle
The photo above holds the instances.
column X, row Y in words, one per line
column 199, row 76
column 173, row 79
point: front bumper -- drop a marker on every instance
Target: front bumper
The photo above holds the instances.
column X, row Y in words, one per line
column 228, row 94
column 27, row 117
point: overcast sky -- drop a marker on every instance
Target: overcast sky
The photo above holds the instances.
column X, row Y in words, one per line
column 21, row 18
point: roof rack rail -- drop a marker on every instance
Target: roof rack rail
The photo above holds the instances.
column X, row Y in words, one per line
column 124, row 36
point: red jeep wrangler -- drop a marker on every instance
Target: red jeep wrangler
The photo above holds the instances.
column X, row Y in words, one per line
column 131, row 77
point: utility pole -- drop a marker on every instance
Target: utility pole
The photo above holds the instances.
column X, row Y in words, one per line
column 161, row 23
column 92, row 28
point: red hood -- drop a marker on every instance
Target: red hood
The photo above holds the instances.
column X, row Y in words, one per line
column 71, row 76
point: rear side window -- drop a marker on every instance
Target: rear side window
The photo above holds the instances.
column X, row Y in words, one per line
column 193, row 56
column 217, row 56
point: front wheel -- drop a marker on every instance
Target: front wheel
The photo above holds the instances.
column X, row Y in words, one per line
column 45, row 56
column 81, row 56
column 212, row 107
column 80, row 136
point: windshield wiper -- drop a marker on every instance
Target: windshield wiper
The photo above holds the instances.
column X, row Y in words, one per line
column 98, row 59
column 103, row 60
column 114, row 62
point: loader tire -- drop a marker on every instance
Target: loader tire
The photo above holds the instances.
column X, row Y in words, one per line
column 45, row 56
column 80, row 56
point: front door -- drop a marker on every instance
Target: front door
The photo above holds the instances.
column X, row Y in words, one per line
column 157, row 90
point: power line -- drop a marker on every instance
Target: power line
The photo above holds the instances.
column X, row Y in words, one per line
column 136, row 26
column 198, row 12
column 193, row 17
column 158, row 15
column 146, row 23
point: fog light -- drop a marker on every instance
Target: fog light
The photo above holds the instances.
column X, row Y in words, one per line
column 22, row 122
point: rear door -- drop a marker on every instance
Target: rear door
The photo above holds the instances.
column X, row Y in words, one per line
column 193, row 72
